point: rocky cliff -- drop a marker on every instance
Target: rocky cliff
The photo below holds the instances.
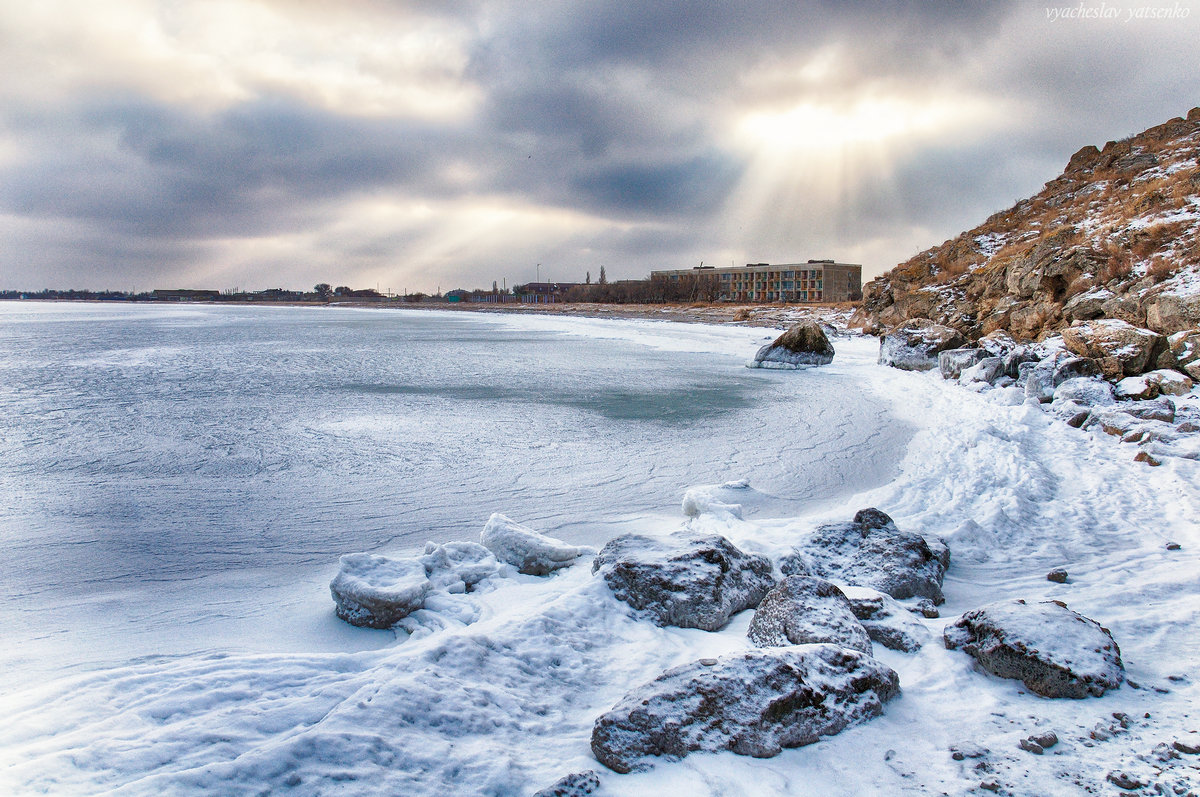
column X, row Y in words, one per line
column 1117, row 235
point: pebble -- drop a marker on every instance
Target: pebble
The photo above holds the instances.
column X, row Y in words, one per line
column 1123, row 780
column 1173, row 546
column 1057, row 575
column 708, row 662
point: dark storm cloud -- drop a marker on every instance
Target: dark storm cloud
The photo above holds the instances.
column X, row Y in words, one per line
column 622, row 114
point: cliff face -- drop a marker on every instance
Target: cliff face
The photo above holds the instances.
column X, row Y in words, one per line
column 1117, row 235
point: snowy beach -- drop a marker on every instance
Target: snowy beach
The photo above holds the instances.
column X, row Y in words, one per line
column 233, row 676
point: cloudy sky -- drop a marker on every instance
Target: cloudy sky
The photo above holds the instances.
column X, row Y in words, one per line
column 412, row 145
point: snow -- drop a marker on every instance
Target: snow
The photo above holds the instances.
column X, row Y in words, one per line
column 505, row 704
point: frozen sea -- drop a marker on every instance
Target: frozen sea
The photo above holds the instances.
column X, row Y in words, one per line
column 166, row 471
column 176, row 485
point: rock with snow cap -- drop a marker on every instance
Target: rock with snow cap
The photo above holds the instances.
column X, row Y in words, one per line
column 953, row 362
column 804, row 344
column 754, row 703
column 686, row 579
column 577, row 784
column 1088, row 391
column 916, row 344
column 378, row 591
column 532, row 553
column 1054, row 651
column 1135, row 348
column 805, row 609
column 870, row 551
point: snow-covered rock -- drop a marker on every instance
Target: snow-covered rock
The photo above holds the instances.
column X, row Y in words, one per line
column 1043, row 378
column 989, row 370
column 532, row 553
column 377, row 591
column 805, row 609
column 1085, row 390
column 804, row 344
column 688, row 580
column 577, row 784
column 1170, row 382
column 887, row 622
column 1133, row 347
column 1054, row 651
column 915, row 345
column 755, row 703
column 953, row 362
column 870, row 551
column 458, row 566
column 1137, row 388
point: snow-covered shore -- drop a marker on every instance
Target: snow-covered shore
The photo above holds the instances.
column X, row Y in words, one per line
column 496, row 691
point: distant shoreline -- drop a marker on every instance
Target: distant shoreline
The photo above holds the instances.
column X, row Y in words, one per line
column 752, row 315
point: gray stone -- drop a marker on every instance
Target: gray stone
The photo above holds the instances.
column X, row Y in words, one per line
column 915, row 345
column 989, row 369
column 754, row 703
column 1185, row 350
column 1047, row 375
column 687, row 580
column 804, row 609
column 805, row 344
column 1054, row 651
column 1014, row 359
column 870, row 551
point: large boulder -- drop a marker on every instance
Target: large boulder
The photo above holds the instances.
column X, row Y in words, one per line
column 532, row 553
column 1054, row 651
column 1169, row 313
column 1134, row 348
column 1085, row 390
column 1042, row 378
column 804, row 609
column 687, row 580
column 754, row 703
column 915, row 345
column 888, row 623
column 870, row 551
column 377, row 591
column 803, row 345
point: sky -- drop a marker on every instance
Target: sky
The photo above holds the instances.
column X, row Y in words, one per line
column 426, row 145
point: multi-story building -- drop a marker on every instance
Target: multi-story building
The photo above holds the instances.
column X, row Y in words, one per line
column 814, row 281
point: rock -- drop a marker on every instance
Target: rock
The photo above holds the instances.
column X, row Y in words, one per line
column 1045, row 377
column 1085, row 390
column 1148, row 458
column 953, row 362
column 1189, row 745
column 915, row 345
column 1173, row 546
column 997, row 344
column 687, row 580
column 927, row 609
column 1135, row 348
column 1087, row 305
column 803, row 345
column 1053, row 650
column 1169, row 382
column 1016, row 357
column 531, row 553
column 1030, row 746
column 989, row 369
column 804, row 609
column 870, row 551
column 887, row 622
column 1072, row 412
column 1159, row 409
column 1168, row 313
column 1135, row 388
column 1057, row 575
column 458, row 566
column 754, row 703
column 1123, row 780
column 577, row 784
column 376, row 591
column 1185, row 349
column 1045, row 740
